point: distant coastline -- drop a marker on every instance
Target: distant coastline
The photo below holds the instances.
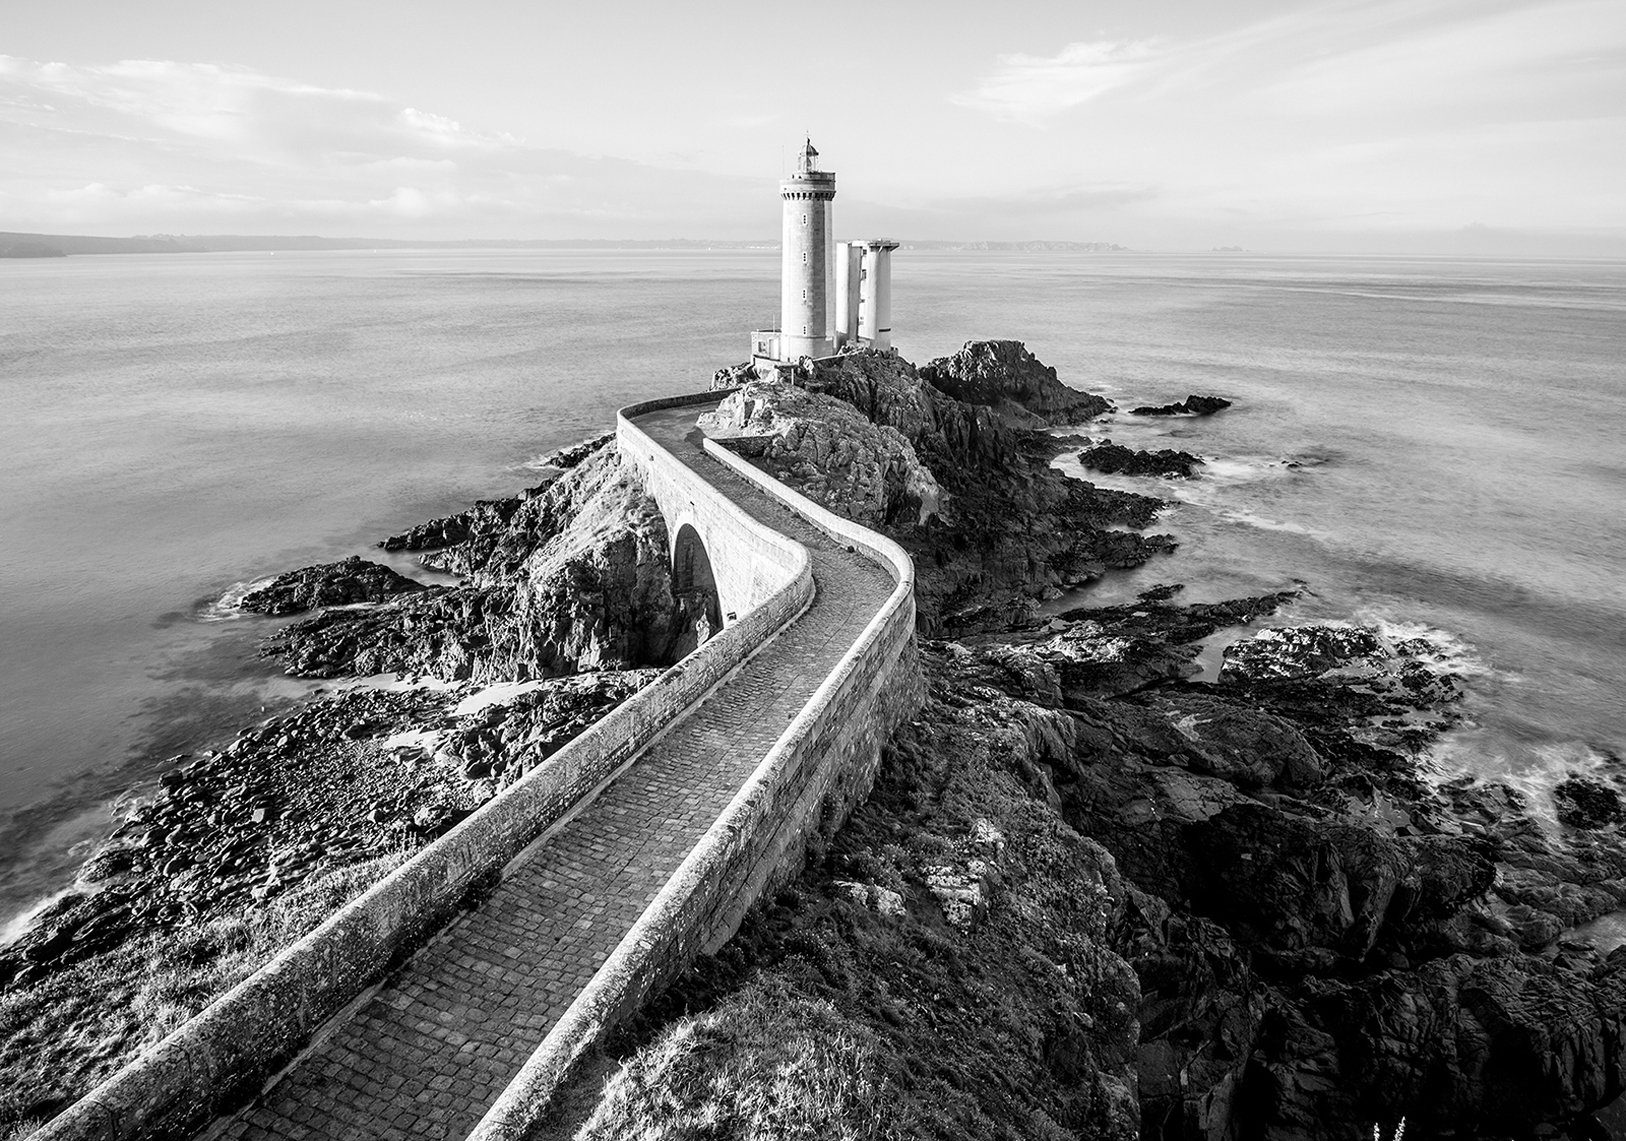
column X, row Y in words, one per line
column 59, row 245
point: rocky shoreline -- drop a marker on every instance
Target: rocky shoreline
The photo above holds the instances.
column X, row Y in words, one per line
column 1097, row 891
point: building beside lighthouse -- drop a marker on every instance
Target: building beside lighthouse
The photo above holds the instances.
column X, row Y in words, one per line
column 831, row 294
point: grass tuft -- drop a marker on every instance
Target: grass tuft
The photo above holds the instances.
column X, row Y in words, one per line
column 63, row 1035
column 768, row 1065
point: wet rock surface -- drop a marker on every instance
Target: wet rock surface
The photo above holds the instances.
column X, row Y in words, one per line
column 1116, row 459
column 1193, row 405
column 342, row 583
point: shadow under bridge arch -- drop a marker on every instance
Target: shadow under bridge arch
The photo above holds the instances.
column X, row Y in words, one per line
column 694, row 590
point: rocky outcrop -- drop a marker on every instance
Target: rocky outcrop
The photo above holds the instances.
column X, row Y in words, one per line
column 1191, row 406
column 343, row 583
column 1005, row 376
column 575, row 576
column 1322, row 941
column 491, row 515
column 1009, row 529
column 824, row 448
column 1116, row 459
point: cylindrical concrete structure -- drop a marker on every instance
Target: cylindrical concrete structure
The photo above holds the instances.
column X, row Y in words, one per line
column 875, row 301
column 849, row 270
column 807, row 275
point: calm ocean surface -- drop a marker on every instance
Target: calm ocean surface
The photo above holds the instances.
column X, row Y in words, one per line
column 176, row 425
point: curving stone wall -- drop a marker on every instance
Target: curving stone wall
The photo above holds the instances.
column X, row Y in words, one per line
column 746, row 562
column 820, row 768
column 220, row 1059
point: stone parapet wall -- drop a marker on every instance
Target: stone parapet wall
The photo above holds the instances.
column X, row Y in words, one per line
column 818, row 770
column 220, row 1059
column 749, row 560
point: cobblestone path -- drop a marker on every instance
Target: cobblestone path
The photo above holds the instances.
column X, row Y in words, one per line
column 429, row 1051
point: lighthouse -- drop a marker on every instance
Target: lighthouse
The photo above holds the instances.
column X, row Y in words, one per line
column 828, row 298
column 807, row 262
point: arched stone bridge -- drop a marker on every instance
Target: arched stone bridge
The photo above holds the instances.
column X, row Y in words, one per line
column 601, row 874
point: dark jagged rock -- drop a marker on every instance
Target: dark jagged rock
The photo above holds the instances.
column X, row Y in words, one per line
column 1585, row 802
column 342, row 583
column 1116, row 459
column 1309, row 965
column 449, row 530
column 1005, row 376
column 491, row 515
column 1191, row 406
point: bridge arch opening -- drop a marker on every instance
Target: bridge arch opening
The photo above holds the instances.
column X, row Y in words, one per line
column 694, row 589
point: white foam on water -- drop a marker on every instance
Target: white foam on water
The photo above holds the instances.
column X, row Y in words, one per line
column 19, row 923
column 1533, row 773
column 1452, row 655
column 1250, row 519
column 229, row 606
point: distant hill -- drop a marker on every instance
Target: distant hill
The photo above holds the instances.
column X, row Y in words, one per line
column 1023, row 247
column 56, row 245
column 29, row 248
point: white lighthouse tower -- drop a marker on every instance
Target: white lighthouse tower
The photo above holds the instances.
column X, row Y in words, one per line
column 807, row 270
column 827, row 299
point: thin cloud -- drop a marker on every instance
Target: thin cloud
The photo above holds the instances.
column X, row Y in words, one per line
column 1027, row 88
column 159, row 145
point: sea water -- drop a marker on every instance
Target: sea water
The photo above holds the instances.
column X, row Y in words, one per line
column 1431, row 445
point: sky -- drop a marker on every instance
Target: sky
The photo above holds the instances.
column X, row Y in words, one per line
column 1429, row 126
